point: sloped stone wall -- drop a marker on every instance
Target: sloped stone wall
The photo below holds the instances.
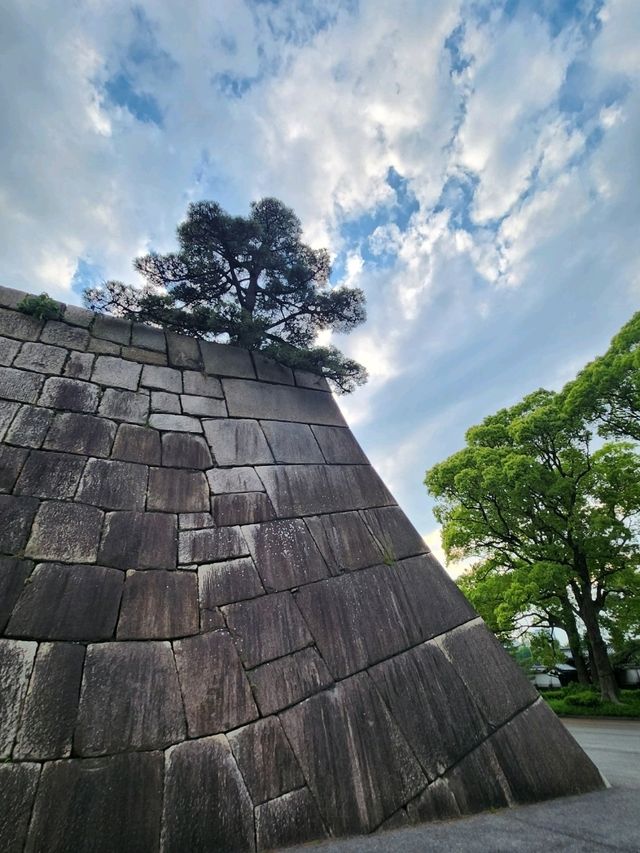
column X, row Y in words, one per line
column 218, row 630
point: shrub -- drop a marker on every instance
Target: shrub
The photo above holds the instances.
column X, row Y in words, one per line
column 43, row 307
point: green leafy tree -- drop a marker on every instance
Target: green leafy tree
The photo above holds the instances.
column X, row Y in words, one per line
column 251, row 279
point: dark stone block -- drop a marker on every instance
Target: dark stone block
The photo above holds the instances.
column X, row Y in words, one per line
column 397, row 537
column 13, row 574
column 285, row 554
column 206, row 804
column 103, row 347
column 16, row 662
column 7, row 412
column 183, row 351
column 265, row 759
column 267, row 627
column 113, row 485
column 70, row 394
column 291, row 442
column 143, row 356
column 148, row 338
column 211, row 620
column 247, row 508
column 345, row 541
column 195, row 520
column 64, row 335
column 280, row 403
column 14, row 324
column 225, row 360
column 83, row 434
column 130, row 699
column 51, row 704
column 79, row 365
column 115, row 329
column 306, row 379
column 18, row 783
column 99, row 805
column 8, row 351
column 272, row 371
column 127, row 406
column 65, row 531
column 228, row 582
column 223, row 481
column 137, row 444
column 338, row 446
column 40, row 357
column 397, row 820
column 217, row 695
column 181, row 450
column 211, row 545
column 68, row 603
column 288, row 680
column 139, row 540
column 11, row 461
column 17, row 515
column 291, row 818
column 237, row 442
column 30, row 426
column 159, row 605
column 353, row 756
column 174, row 490
column 203, row 407
column 436, row 802
column 50, row 475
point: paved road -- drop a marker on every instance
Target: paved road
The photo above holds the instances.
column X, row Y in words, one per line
column 601, row 822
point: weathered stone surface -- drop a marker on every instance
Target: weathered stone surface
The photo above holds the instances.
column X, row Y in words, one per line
column 30, row 426
column 79, row 365
column 176, row 423
column 211, row 545
column 99, row 806
column 314, row 489
column 13, row 574
column 291, row 442
column 354, row 758
column 70, row 394
column 64, row 335
column 210, row 620
column 267, row 627
column 139, row 540
column 201, row 385
column 338, row 446
column 280, row 403
column 227, row 582
column 285, row 553
column 63, row 602
column 345, row 541
column 137, row 444
column 265, row 759
column 203, row 406
column 216, row 692
column 292, row 818
column 162, row 379
column 20, row 385
column 76, row 316
column 65, row 531
column 13, row 324
column 17, row 515
column 206, row 804
column 10, row 297
column 117, row 372
column 50, row 475
column 305, row 379
column 288, row 680
column 436, row 802
column 130, row 699
column 175, row 490
column 41, row 357
column 181, row 450
column 163, row 401
column 7, row 412
column 242, row 508
column 8, row 350
column 400, row 818
column 159, row 605
column 16, row 662
column 195, row 520
column 127, row 406
column 183, row 351
column 272, row 371
column 100, row 346
column 237, row 442
column 84, row 434
column 113, row 485
column 143, row 356
column 148, row 337
column 11, row 461
column 396, row 536
column 224, row 360
column 18, row 784
column 224, row 481
column 51, row 703
column 114, row 329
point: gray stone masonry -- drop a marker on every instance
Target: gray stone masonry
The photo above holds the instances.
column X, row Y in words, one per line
column 79, row 365
column 202, row 385
column 112, row 329
column 116, row 372
column 162, row 379
column 176, row 423
column 13, row 324
column 162, row 401
column 237, row 442
column 40, row 357
column 30, row 426
column 64, row 335
column 183, row 352
column 204, row 406
column 69, row 394
column 8, row 350
column 126, row 406
column 148, row 338
column 20, row 385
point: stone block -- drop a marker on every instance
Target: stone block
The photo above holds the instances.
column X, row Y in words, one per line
column 395, row 534
column 14, row 324
column 99, row 806
column 20, row 385
column 175, row 490
column 267, row 627
column 8, row 350
column 143, row 356
column 183, row 351
column 18, row 783
column 11, row 461
column 195, row 520
column 65, row 531
column 103, row 347
column 242, row 508
column 125, row 406
column 305, row 379
column 271, row 371
column 285, row 554
column 211, row 545
column 130, row 699
column 51, row 703
column 114, row 329
column 338, row 446
column 265, row 759
column 358, row 765
column 225, row 360
column 137, row 444
column 7, row 412
column 50, row 475
column 148, row 337
column 41, row 357
column 288, row 680
column 201, row 385
column 116, row 372
column 204, row 407
column 163, row 401
column 139, row 540
column 217, row 695
column 206, row 804
column 227, row 582
column 237, row 442
column 159, row 605
column 10, row 297
column 64, row 335
column 16, row 662
column 182, row 450
column 13, row 574
column 17, row 516
column 76, row 316
column 114, row 485
column 211, row 620
column 79, row 365
column 82, row 434
column 175, row 423
column 224, row 481
column 280, row 403
column 345, row 541
column 30, row 426
column 290, row 819
column 63, row 602
column 291, row 442
column 162, row 379
column 70, row 394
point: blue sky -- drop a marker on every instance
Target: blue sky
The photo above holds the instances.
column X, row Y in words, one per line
column 473, row 165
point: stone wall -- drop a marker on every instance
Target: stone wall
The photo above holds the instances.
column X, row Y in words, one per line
column 218, row 630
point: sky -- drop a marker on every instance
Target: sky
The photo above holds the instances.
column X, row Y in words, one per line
column 473, row 165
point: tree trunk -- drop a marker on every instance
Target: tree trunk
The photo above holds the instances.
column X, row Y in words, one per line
column 606, row 678
column 582, row 671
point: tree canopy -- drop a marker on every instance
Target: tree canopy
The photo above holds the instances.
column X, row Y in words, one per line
column 251, row 279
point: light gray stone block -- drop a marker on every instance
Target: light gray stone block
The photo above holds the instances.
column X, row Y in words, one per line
column 79, row 365
column 114, row 329
column 285, row 553
column 211, row 545
column 148, row 337
column 113, row 485
column 30, row 426
column 143, row 356
column 291, row 442
column 271, row 371
column 224, row 481
column 338, row 446
column 40, row 357
column 280, row 403
column 65, row 531
column 20, row 385
column 83, row 434
column 176, row 490
column 76, row 316
column 203, row 406
column 162, row 401
column 159, row 605
column 70, row 394
column 162, row 379
column 14, row 324
column 8, row 351
column 64, row 335
column 16, row 662
column 102, row 347
column 116, row 372
column 10, row 297
column 201, row 385
column 237, row 442
column 175, row 423
column 228, row 582
column 225, row 360
column 125, row 406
